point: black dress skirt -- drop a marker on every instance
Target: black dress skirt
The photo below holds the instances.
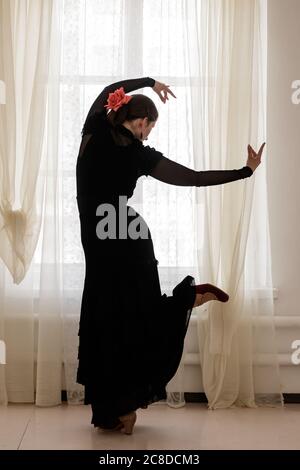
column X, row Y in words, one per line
column 131, row 337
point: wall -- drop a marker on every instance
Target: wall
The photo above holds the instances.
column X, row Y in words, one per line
column 283, row 155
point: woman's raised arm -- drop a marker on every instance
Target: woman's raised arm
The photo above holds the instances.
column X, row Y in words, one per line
column 128, row 85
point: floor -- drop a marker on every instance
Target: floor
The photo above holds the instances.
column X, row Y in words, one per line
column 158, row 427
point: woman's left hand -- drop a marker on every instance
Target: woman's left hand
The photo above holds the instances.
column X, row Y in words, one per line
column 162, row 90
column 254, row 159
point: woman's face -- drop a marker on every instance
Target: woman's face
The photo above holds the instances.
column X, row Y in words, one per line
column 145, row 128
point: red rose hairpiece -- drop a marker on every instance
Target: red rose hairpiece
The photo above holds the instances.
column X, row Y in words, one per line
column 117, row 99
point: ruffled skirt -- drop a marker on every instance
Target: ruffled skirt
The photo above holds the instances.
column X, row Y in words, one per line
column 131, row 337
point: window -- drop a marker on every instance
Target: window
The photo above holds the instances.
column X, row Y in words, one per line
column 103, row 42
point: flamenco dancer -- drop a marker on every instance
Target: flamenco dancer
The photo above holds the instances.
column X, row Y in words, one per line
column 131, row 336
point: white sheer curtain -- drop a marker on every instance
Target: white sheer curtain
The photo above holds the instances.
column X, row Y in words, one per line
column 30, row 318
column 236, row 340
column 211, row 52
column 25, row 38
column 204, row 50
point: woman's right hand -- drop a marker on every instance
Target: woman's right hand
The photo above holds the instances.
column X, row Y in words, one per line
column 162, row 90
column 254, row 159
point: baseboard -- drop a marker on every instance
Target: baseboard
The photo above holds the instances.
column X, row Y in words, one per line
column 195, row 397
column 291, row 398
column 201, row 397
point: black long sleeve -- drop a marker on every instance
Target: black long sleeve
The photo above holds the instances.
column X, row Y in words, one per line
column 171, row 172
column 128, row 85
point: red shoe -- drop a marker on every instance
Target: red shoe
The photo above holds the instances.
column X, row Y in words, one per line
column 209, row 288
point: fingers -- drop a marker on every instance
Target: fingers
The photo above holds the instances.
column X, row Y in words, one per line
column 171, row 92
column 162, row 90
column 165, row 97
column 253, row 154
column 162, row 95
column 166, row 89
column 261, row 149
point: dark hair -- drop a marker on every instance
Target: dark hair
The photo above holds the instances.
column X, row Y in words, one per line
column 140, row 106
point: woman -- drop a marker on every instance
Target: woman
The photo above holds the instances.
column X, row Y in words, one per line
column 130, row 335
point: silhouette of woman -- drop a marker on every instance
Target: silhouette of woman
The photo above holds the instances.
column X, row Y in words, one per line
column 130, row 335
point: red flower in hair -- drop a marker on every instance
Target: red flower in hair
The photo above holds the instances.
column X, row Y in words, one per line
column 117, row 99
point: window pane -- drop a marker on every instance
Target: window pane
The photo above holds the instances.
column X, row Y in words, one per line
column 92, row 37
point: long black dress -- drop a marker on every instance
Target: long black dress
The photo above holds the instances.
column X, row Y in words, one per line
column 131, row 336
